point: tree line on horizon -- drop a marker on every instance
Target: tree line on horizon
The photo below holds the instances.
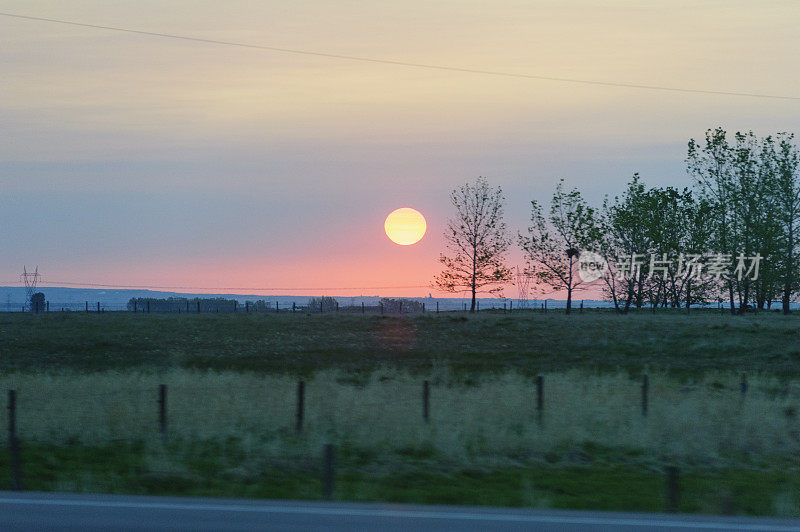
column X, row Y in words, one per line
column 743, row 202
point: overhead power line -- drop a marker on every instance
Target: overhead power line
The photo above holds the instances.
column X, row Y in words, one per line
column 406, row 63
column 251, row 288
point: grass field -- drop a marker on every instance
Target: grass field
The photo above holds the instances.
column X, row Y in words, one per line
column 87, row 411
column 529, row 343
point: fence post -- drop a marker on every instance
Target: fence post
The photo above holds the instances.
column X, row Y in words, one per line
column 581, row 305
column 743, row 385
column 148, row 306
column 426, row 401
column 545, row 306
column 276, row 306
column 645, row 390
column 673, row 489
column 539, row 398
column 13, row 442
column 47, row 307
column 510, row 305
column 423, row 307
column 293, row 307
column 301, row 399
column 98, row 307
column 401, row 306
column 437, row 307
column 320, row 305
column 362, row 308
column 235, row 306
column 198, row 306
column 87, row 306
column 162, row 410
column 327, row 472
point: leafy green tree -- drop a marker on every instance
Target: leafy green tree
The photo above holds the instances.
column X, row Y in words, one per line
column 554, row 242
column 710, row 165
column 786, row 161
column 623, row 224
column 477, row 242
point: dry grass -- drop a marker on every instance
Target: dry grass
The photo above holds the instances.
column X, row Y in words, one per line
column 491, row 421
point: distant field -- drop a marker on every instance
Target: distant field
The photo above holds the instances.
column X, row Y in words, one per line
column 766, row 343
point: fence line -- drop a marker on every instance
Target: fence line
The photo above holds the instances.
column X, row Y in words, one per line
column 328, row 474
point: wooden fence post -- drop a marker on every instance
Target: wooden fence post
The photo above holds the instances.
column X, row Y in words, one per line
column 162, row 410
column 426, row 401
column 645, row 391
column 148, row 306
column 87, row 306
column 198, row 306
column 13, row 442
column 362, row 308
column 673, row 489
column 276, row 307
column 293, row 307
column 539, row 398
column 187, row 306
column 328, row 472
column 423, row 307
column 437, row 307
column 235, row 306
column 98, row 307
column 301, row 399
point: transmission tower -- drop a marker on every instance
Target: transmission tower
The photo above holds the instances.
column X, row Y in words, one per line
column 30, row 280
column 523, row 286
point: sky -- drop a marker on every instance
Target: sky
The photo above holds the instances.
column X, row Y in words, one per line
column 129, row 159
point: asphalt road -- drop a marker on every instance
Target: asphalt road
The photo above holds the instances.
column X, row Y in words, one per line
column 51, row 511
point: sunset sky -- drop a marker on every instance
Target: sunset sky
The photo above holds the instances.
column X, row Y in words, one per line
column 140, row 160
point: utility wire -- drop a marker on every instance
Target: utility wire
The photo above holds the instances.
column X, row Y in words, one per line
column 254, row 289
column 407, row 64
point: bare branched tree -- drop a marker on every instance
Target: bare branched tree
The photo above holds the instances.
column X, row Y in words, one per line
column 477, row 242
column 554, row 243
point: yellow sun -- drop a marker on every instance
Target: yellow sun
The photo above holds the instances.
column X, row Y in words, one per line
column 405, row 226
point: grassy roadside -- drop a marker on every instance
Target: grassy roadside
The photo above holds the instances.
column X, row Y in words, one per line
column 218, row 470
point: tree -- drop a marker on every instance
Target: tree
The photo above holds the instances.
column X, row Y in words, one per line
column 786, row 159
column 37, row 302
column 476, row 241
column 554, row 243
column 710, row 165
column 322, row 304
column 624, row 236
